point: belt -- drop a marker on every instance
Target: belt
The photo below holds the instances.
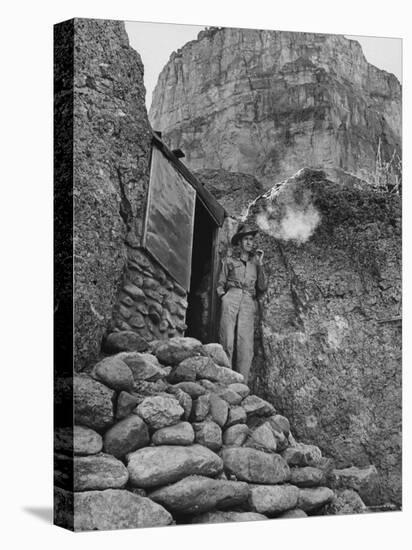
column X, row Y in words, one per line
column 241, row 286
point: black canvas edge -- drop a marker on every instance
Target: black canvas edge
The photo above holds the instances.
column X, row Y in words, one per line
column 63, row 270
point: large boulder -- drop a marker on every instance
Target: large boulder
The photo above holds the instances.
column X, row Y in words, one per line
column 197, row 494
column 218, row 409
column 218, row 354
column 144, row 366
column 364, row 481
column 236, row 435
column 100, row 471
column 209, row 434
column 124, row 340
column 86, row 441
column 155, row 466
column 262, row 438
column 179, row 434
column 113, row 372
column 93, row 403
column 312, row 499
column 177, row 349
column 160, row 411
column 129, row 434
column 306, row 476
column 255, row 466
column 116, row 509
column 273, row 499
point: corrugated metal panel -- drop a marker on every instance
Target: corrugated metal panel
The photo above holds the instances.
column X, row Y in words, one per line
column 168, row 234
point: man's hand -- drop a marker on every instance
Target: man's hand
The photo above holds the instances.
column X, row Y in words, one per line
column 259, row 257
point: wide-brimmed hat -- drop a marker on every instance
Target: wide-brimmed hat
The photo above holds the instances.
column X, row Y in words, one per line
column 242, row 231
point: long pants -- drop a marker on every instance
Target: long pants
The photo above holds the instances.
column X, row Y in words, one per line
column 238, row 317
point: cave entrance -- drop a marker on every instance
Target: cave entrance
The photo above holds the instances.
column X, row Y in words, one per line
column 202, row 314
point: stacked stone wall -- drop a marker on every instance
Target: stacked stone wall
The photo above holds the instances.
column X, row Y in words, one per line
column 150, row 302
column 174, row 436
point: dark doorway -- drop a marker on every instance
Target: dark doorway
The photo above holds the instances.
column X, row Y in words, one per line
column 200, row 315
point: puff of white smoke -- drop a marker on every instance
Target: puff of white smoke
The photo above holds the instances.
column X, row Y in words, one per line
column 298, row 223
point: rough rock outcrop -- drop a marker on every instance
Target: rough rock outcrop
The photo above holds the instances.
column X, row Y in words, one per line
column 267, row 103
column 330, row 329
column 111, row 170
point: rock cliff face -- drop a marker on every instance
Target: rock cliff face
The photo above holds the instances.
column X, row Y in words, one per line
column 330, row 336
column 267, row 103
column 111, row 172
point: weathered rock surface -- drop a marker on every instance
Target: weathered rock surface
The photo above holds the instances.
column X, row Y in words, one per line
column 306, row 477
column 255, row 466
column 191, row 388
column 86, row 441
column 209, row 434
column 302, row 454
column 155, row 466
column 312, row 499
column 179, row 434
column 111, row 172
column 218, row 409
column 267, row 103
column 331, row 334
column 262, row 438
column 124, row 340
column 273, row 499
column 116, row 509
column 227, row 517
column 144, row 366
column 236, row 435
column 160, row 411
column 126, row 403
column 101, row 471
column 197, row 494
column 218, row 354
column 365, row 481
column 93, row 404
column 178, row 349
column 113, row 372
column 237, row 415
column 129, row 434
column 254, row 405
column 345, row 501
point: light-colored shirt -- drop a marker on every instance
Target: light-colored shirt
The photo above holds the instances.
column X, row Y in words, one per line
column 235, row 273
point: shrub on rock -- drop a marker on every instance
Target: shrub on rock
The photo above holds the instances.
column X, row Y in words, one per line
column 197, row 494
column 116, row 509
column 155, row 466
column 93, row 403
column 100, row 472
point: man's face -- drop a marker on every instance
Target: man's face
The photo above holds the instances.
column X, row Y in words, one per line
column 247, row 243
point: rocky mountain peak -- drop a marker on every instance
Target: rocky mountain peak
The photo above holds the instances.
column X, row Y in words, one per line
column 267, row 103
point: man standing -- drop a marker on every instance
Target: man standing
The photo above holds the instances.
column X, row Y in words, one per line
column 241, row 276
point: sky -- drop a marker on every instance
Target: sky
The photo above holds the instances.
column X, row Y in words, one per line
column 156, row 41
